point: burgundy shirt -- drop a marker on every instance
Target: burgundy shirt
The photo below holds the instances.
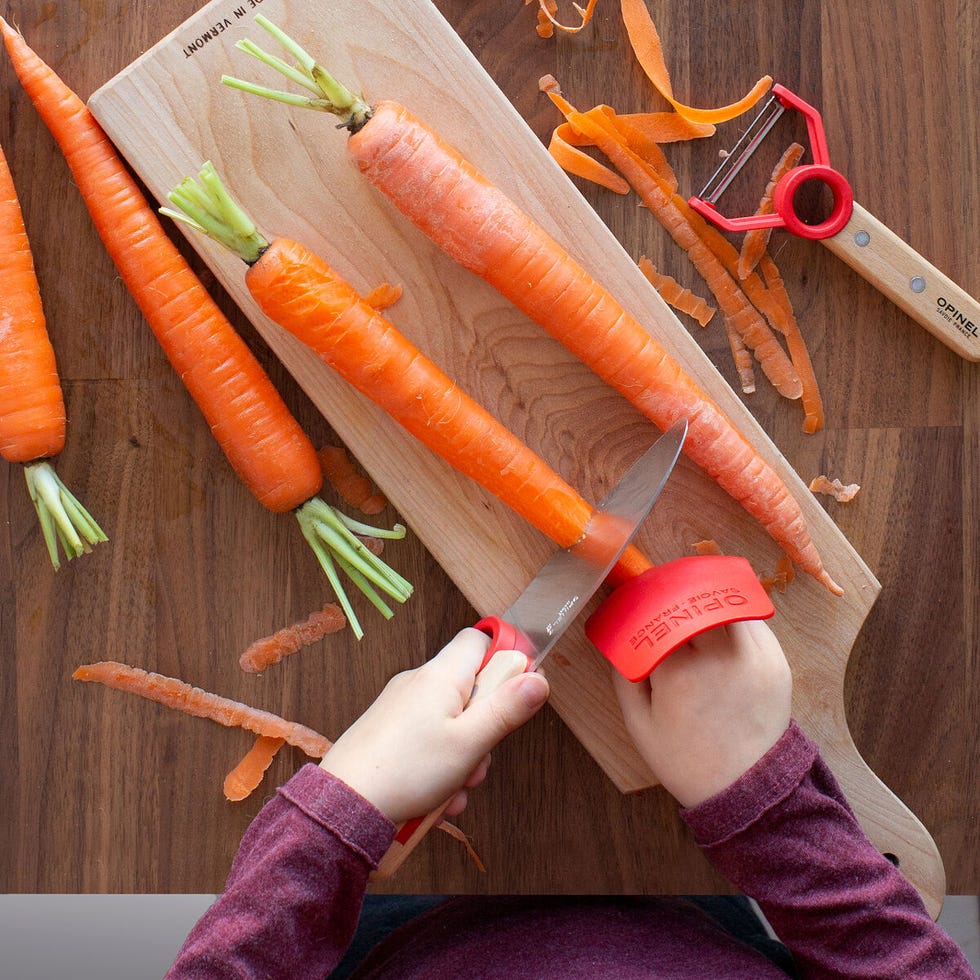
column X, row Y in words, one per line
column 783, row 833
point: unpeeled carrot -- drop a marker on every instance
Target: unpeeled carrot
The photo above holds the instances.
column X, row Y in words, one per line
column 259, row 436
column 32, row 408
column 303, row 294
column 177, row 694
column 477, row 225
column 261, row 439
column 291, row 639
column 246, row 776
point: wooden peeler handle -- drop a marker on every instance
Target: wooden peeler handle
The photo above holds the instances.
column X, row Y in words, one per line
column 931, row 298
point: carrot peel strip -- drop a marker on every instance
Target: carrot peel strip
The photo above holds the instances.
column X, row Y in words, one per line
column 648, row 48
column 290, row 639
column 834, row 488
column 357, row 490
column 675, row 294
column 547, row 21
column 572, row 160
column 756, row 241
column 246, row 776
column 179, row 695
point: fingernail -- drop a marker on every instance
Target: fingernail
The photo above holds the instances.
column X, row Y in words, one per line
column 534, row 690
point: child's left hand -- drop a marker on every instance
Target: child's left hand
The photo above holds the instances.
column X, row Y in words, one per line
column 416, row 746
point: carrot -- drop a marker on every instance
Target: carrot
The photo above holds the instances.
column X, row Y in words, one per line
column 675, row 294
column 478, row 226
column 176, row 694
column 247, row 775
column 342, row 475
column 290, row 639
column 261, row 439
column 756, row 241
column 304, row 295
column 648, row 48
column 32, row 408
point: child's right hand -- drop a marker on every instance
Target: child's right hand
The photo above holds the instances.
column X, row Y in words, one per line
column 711, row 710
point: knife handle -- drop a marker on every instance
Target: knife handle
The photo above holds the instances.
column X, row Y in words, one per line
column 500, row 664
column 931, row 298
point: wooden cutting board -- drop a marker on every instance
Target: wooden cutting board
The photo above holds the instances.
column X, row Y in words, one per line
column 168, row 113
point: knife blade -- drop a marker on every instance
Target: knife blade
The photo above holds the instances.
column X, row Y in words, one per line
column 536, row 620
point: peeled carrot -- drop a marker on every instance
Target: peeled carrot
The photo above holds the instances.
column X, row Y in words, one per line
column 298, row 290
column 247, row 775
column 478, row 226
column 176, row 694
column 291, row 639
column 259, row 436
column 32, row 409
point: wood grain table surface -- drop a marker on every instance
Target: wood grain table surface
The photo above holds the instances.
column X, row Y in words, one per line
column 108, row 793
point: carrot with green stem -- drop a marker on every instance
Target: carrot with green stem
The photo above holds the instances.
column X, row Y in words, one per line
column 300, row 292
column 478, row 226
column 258, row 434
column 32, row 407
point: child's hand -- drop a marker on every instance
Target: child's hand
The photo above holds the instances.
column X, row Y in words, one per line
column 416, row 746
column 711, row 710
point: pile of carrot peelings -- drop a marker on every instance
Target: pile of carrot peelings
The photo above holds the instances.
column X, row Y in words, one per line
column 746, row 285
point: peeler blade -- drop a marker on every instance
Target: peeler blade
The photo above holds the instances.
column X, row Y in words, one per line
column 740, row 154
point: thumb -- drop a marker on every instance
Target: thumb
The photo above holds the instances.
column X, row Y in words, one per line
column 496, row 714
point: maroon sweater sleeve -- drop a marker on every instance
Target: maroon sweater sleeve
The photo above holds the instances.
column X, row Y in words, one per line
column 785, row 835
column 294, row 893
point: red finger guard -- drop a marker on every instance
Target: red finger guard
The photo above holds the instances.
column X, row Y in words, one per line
column 650, row 616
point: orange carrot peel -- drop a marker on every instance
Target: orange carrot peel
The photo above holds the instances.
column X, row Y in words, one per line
column 177, row 694
column 339, row 469
column 648, row 48
column 246, row 776
column 291, row 639
column 834, row 488
column 679, row 297
column 548, row 22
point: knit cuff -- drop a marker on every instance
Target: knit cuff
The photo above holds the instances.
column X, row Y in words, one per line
column 755, row 792
column 336, row 807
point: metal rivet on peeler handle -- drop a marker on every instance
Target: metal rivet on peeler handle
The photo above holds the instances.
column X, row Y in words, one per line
column 917, row 284
column 861, row 239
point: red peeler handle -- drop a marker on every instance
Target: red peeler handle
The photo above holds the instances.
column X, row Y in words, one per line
column 650, row 616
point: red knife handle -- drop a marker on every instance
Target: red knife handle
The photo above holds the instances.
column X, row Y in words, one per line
column 650, row 616
column 503, row 636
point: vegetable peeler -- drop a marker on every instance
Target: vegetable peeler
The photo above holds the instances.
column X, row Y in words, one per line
column 849, row 231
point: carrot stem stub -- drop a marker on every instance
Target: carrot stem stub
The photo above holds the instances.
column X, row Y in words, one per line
column 63, row 519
